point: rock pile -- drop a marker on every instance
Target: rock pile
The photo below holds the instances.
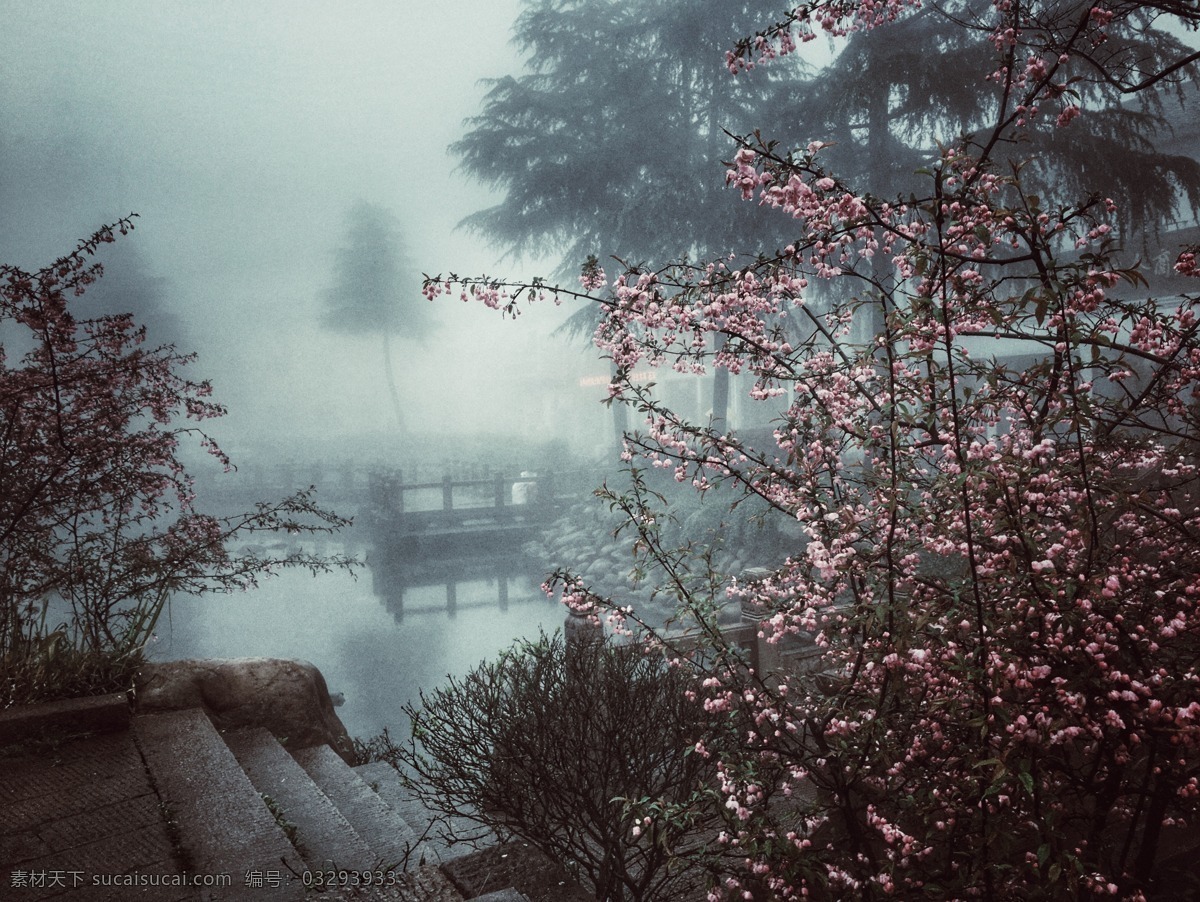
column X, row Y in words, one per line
column 581, row 539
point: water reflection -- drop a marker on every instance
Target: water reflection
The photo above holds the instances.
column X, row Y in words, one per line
column 378, row 639
column 423, row 588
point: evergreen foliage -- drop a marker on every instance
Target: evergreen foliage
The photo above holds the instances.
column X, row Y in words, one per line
column 376, row 290
column 611, row 143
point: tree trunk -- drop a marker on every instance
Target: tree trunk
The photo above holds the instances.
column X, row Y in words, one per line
column 879, row 166
column 391, row 382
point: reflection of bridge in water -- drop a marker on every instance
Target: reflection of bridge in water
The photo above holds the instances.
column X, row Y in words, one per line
column 446, row 586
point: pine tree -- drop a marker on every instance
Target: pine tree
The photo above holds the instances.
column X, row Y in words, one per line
column 612, row 141
column 889, row 91
column 611, row 144
column 375, row 289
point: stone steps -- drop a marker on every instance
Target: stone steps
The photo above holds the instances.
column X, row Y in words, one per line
column 322, row 835
column 382, row 778
column 236, row 808
column 433, row 844
column 391, row 839
column 278, row 822
column 224, row 828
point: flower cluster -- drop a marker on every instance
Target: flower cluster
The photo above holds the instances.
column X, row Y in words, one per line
column 836, row 18
column 992, row 458
column 1186, row 264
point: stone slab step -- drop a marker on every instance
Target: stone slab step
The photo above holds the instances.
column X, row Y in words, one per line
column 388, row 835
column 384, row 780
column 425, row 884
column 323, row 836
column 433, row 845
column 224, row 828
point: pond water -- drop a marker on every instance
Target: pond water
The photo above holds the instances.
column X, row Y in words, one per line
column 378, row 638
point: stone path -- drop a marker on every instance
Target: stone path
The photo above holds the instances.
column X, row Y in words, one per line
column 82, row 820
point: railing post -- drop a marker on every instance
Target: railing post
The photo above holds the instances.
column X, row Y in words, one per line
column 447, row 493
column 765, row 656
column 581, row 629
column 500, row 493
column 385, row 489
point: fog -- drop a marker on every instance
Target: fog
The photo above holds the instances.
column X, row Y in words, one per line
column 241, row 135
column 251, row 139
column 244, row 136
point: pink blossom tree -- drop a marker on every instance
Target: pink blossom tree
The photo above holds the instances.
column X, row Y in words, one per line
column 97, row 524
column 997, row 488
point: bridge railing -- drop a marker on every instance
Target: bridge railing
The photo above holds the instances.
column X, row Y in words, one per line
column 498, row 492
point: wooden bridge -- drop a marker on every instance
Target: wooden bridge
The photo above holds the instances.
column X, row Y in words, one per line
column 459, row 517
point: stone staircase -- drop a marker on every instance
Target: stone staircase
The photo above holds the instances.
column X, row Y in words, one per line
column 282, row 822
column 137, row 807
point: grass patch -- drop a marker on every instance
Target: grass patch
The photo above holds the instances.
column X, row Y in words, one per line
column 34, row 674
column 290, row 830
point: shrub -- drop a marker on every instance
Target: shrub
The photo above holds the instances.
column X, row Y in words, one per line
column 97, row 523
column 555, row 741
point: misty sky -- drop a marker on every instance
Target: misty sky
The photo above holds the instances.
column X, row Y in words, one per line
column 242, row 133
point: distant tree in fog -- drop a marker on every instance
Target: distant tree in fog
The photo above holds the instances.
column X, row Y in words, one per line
column 129, row 286
column 375, row 290
column 885, row 96
column 611, row 143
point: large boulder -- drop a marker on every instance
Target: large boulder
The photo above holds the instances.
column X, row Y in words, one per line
column 289, row 698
